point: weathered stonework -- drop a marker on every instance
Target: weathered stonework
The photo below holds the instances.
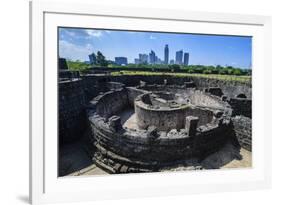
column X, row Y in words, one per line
column 243, row 131
column 165, row 115
column 241, row 106
column 72, row 116
column 212, row 112
column 150, row 148
column 191, row 123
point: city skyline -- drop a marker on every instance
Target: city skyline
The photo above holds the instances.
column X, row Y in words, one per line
column 77, row 44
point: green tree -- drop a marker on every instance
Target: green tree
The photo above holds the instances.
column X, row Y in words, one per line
column 101, row 59
column 219, row 67
column 237, row 72
column 174, row 67
column 207, row 71
column 223, row 71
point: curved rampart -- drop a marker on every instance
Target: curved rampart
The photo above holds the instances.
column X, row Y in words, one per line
column 122, row 150
column 111, row 102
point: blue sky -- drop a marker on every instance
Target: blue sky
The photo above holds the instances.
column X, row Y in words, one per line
column 77, row 44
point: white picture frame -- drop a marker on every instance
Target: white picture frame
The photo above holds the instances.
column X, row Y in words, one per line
column 46, row 187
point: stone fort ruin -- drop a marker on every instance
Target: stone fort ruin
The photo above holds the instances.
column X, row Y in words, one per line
column 150, row 123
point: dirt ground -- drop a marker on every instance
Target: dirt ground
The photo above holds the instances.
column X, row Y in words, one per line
column 228, row 157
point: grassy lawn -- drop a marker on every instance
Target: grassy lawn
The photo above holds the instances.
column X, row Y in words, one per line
column 245, row 79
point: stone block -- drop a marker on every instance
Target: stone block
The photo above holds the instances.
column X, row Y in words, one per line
column 218, row 113
column 191, row 123
column 152, row 132
column 124, row 169
column 142, row 83
column 189, row 84
column 215, row 91
column 224, row 98
column 115, row 123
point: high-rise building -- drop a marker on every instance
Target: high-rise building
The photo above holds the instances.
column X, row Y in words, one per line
column 137, row 61
column 152, row 57
column 172, row 61
column 143, row 58
column 179, row 55
column 158, row 60
column 166, row 54
column 121, row 60
column 186, row 59
column 92, row 58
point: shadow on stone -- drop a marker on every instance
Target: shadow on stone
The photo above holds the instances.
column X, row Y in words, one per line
column 75, row 156
column 224, row 156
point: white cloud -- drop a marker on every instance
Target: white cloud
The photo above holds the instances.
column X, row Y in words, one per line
column 74, row 52
column 152, row 37
column 93, row 33
column 70, row 33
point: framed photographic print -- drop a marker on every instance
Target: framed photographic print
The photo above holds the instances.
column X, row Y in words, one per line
column 129, row 102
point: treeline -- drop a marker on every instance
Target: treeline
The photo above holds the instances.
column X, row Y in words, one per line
column 202, row 69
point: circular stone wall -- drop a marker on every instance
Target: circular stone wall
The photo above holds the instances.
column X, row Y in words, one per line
column 193, row 131
column 160, row 109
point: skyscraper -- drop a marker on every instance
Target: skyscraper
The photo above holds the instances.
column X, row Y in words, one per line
column 166, row 54
column 179, row 55
column 152, row 57
column 158, row 60
column 92, row 58
column 137, row 61
column 186, row 59
column 143, row 58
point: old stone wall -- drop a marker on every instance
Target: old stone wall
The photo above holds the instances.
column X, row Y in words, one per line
column 133, row 93
column 111, row 102
column 114, row 85
column 229, row 88
column 178, row 89
column 243, row 130
column 241, row 106
column 124, row 151
column 163, row 119
column 203, row 99
column 66, row 75
column 205, row 115
column 76, row 93
column 93, row 85
column 72, row 116
column 210, row 138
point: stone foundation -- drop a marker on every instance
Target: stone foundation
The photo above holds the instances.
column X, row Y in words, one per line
column 150, row 148
column 201, row 127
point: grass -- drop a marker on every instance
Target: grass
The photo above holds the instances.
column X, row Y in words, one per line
column 244, row 79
